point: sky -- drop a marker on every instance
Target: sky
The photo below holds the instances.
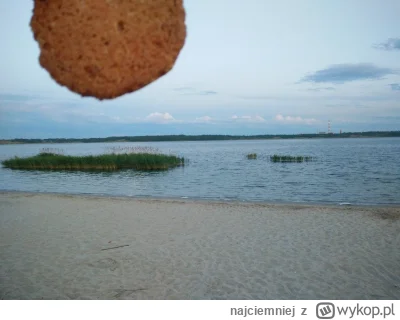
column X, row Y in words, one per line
column 247, row 67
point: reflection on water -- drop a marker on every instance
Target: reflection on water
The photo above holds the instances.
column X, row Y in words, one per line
column 358, row 171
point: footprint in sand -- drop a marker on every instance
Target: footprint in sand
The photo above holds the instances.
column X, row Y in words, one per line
column 106, row 263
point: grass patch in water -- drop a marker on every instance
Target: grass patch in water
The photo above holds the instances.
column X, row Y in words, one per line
column 252, row 156
column 288, row 158
column 49, row 160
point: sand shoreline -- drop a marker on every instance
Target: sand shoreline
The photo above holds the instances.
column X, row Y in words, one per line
column 205, row 201
column 55, row 246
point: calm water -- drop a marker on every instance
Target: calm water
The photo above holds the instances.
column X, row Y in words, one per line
column 358, row 171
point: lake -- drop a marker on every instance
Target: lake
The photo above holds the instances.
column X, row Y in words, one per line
column 363, row 171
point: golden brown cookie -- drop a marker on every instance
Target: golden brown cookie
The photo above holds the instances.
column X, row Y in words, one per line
column 106, row 48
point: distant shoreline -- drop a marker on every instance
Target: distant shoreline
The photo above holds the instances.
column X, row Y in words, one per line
column 170, row 138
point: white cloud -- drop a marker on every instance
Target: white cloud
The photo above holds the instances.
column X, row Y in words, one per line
column 259, row 119
column 158, row 117
column 204, row 119
column 290, row 119
column 255, row 118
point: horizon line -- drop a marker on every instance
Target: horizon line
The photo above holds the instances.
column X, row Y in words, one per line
column 393, row 133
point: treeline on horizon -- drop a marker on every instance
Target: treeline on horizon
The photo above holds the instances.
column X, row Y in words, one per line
column 207, row 137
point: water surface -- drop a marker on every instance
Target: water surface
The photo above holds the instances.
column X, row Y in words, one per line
column 358, row 171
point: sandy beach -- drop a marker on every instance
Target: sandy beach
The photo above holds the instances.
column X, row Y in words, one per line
column 76, row 247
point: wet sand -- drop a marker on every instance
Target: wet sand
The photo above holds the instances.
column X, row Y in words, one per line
column 76, row 247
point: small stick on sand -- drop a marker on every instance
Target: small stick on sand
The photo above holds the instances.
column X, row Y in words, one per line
column 125, row 245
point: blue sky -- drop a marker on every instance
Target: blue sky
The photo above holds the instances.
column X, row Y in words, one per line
column 247, row 67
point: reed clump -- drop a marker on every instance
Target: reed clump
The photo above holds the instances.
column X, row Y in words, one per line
column 288, row 158
column 252, row 156
column 103, row 162
column 132, row 149
column 51, row 151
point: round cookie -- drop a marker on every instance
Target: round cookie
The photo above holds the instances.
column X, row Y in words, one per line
column 107, row 48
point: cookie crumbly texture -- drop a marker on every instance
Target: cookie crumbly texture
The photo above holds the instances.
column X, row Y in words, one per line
column 107, row 48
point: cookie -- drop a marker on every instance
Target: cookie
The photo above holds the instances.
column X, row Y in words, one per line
column 107, row 48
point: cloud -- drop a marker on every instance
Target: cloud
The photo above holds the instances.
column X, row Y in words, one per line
column 294, row 120
column 257, row 97
column 341, row 73
column 389, row 45
column 255, row 118
column 193, row 91
column 207, row 93
column 4, row 97
column 184, row 89
column 395, row 86
column 322, row 89
column 204, row 119
column 34, row 100
column 158, row 117
column 258, row 119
